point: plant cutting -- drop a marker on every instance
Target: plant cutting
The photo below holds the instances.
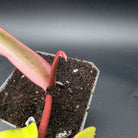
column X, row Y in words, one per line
column 34, row 67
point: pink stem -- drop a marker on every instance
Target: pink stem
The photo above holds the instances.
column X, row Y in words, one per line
column 45, row 117
column 54, row 67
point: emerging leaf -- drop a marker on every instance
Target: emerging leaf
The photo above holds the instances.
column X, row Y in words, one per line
column 54, row 67
column 31, row 64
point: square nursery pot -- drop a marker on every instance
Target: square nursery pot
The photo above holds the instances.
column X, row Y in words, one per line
column 72, row 96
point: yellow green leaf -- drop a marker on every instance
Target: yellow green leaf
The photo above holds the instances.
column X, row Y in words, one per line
column 25, row 132
column 86, row 133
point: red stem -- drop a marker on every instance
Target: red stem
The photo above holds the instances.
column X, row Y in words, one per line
column 45, row 117
column 48, row 102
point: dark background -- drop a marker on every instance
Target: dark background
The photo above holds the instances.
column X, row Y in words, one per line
column 104, row 32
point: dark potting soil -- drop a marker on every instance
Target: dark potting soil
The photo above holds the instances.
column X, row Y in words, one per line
column 22, row 99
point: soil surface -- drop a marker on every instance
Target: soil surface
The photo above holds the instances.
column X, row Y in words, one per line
column 22, row 99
